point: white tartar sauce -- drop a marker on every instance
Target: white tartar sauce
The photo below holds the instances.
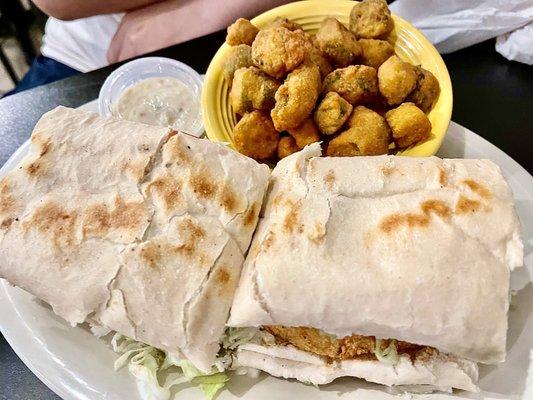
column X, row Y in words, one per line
column 159, row 101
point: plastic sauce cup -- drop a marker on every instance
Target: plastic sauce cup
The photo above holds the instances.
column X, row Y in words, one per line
column 151, row 67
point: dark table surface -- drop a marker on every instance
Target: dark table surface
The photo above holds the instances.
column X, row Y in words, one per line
column 492, row 96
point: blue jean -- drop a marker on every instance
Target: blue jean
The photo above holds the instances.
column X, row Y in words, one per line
column 43, row 70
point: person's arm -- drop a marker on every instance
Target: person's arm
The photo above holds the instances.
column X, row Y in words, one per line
column 74, row 9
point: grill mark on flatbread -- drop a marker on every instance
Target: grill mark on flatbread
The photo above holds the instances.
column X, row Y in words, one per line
column 228, row 199
column 177, row 151
column 268, row 242
column 37, row 168
column 43, row 143
column 34, row 169
column 192, row 234
column 478, row 188
column 6, row 224
column 99, row 221
column 56, row 223
column 329, row 179
column 394, row 222
column 223, row 276
column 443, row 179
column 169, row 190
column 291, row 220
column 45, row 148
column 136, row 170
column 397, row 221
column 224, row 280
column 153, row 252
column 277, row 200
column 467, row 206
column 387, row 170
column 202, row 185
column 318, row 235
column 7, row 201
column 436, row 207
column 251, row 215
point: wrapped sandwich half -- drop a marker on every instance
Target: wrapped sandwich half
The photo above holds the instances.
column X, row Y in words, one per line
column 391, row 269
column 131, row 227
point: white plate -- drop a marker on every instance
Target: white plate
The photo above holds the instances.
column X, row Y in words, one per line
column 76, row 365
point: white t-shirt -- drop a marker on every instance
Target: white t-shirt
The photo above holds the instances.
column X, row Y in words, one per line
column 81, row 44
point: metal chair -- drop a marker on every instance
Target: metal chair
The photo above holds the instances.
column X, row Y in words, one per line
column 15, row 21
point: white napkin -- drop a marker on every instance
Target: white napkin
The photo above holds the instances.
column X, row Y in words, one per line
column 454, row 24
column 517, row 45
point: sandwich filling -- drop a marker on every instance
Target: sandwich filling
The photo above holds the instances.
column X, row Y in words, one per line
column 354, row 347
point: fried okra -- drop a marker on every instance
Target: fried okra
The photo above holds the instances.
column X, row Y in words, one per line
column 278, row 50
column 374, row 52
column 337, row 42
column 296, row 98
column 241, row 31
column 396, row 79
column 305, row 133
column 313, row 56
column 371, row 19
column 426, row 91
column 287, row 146
column 284, row 23
column 367, row 135
column 332, row 113
column 255, row 136
column 355, row 83
column 409, row 124
column 240, row 57
column 252, row 89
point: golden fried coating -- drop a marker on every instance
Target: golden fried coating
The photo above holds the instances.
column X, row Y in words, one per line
column 367, row 135
column 278, row 51
column 356, row 83
column 287, row 146
column 371, row 19
column 240, row 57
column 332, row 113
column 255, row 136
column 396, row 79
column 296, row 98
column 284, row 23
column 305, row 133
column 426, row 91
column 409, row 124
column 252, row 89
column 374, row 52
column 313, row 56
column 241, row 31
column 349, row 347
column 337, row 42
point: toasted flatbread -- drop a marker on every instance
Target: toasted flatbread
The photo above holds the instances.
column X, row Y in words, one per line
column 131, row 226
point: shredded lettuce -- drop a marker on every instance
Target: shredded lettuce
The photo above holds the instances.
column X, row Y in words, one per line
column 234, row 337
column 145, row 362
column 389, row 355
column 211, row 390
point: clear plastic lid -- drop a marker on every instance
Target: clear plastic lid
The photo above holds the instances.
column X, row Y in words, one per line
column 152, row 67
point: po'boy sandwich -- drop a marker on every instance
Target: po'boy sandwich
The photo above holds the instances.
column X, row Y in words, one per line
column 391, row 269
column 132, row 227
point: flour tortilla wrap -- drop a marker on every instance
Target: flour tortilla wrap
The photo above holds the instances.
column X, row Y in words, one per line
column 413, row 249
column 131, row 226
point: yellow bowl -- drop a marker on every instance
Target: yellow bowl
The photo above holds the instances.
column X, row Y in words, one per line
column 410, row 45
